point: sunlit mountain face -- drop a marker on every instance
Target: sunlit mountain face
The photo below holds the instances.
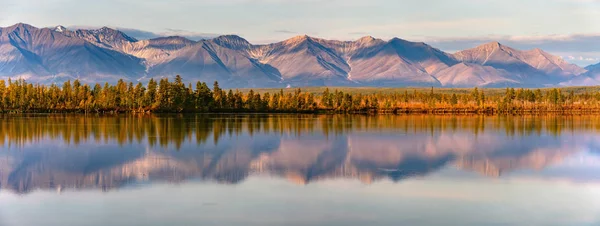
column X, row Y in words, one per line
column 73, row 153
column 54, row 55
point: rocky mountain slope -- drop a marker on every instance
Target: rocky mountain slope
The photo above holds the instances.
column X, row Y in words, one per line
column 49, row 55
column 591, row 77
column 595, row 67
column 45, row 55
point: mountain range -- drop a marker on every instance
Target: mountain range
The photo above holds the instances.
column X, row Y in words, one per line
column 47, row 55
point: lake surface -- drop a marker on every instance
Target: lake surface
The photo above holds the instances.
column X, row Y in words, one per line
column 58, row 170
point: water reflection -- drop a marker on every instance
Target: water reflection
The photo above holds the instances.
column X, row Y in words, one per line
column 90, row 152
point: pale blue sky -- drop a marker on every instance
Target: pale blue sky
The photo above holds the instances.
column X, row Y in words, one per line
column 260, row 21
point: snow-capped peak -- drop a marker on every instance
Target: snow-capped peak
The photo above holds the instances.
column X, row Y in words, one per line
column 60, row 28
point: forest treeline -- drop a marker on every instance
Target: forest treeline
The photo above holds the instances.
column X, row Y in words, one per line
column 176, row 96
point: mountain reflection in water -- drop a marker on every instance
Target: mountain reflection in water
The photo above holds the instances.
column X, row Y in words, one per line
column 107, row 152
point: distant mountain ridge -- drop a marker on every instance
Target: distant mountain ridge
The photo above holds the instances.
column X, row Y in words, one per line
column 47, row 55
column 593, row 67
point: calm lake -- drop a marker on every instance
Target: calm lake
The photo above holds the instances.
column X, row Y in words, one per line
column 58, row 170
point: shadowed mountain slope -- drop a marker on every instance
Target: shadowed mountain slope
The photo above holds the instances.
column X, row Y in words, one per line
column 49, row 55
column 46, row 55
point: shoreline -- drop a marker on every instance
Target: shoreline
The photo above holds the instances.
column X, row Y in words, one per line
column 315, row 112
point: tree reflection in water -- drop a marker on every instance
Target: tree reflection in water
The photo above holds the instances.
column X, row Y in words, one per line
column 78, row 151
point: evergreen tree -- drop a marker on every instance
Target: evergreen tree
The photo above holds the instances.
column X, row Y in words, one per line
column 163, row 98
column 454, row 100
column 150, row 95
column 218, row 95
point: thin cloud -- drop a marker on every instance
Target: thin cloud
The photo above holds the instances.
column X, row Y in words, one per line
column 187, row 34
column 564, row 43
column 139, row 34
column 584, row 1
column 358, row 33
column 285, row 31
column 265, row 41
column 143, row 35
column 582, row 58
column 581, row 49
